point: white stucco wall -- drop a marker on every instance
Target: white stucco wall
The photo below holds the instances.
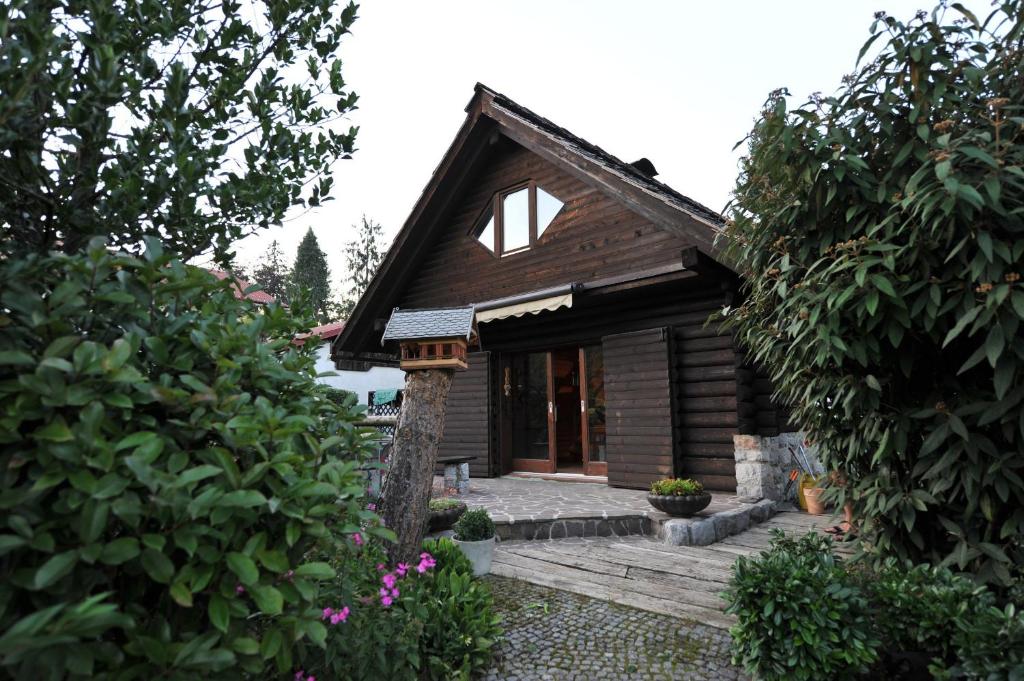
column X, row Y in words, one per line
column 361, row 382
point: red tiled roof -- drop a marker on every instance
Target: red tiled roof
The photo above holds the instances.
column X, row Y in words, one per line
column 324, row 331
column 261, row 297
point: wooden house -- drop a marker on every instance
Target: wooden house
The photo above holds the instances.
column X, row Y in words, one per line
column 592, row 283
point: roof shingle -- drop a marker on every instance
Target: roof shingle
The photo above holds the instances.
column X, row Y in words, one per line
column 441, row 322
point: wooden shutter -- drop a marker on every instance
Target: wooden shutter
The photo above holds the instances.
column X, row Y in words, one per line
column 467, row 429
column 639, row 407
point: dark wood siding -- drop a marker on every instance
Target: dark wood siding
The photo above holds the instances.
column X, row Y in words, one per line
column 638, row 407
column 467, row 416
column 710, row 403
column 593, row 236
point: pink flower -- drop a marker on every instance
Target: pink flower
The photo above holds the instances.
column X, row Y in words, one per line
column 371, row 507
column 402, row 569
column 239, row 589
column 426, row 562
column 395, row 593
column 300, row 675
column 310, row 678
column 381, row 567
column 342, row 614
column 389, row 580
column 386, row 601
column 358, row 539
column 327, row 613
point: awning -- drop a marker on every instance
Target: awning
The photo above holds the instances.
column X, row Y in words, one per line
column 527, row 307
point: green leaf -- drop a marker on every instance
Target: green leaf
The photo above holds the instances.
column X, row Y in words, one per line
column 16, row 358
column 53, row 569
column 120, row 550
column 316, row 570
column 268, row 599
column 219, row 613
column 244, row 568
column 181, row 594
column 54, row 431
column 158, row 566
column 271, row 643
column 245, row 646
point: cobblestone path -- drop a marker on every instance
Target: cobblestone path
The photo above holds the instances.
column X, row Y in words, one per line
column 557, row 635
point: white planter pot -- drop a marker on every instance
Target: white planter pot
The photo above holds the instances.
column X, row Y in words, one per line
column 479, row 554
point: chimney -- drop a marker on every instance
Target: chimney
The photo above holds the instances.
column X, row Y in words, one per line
column 645, row 167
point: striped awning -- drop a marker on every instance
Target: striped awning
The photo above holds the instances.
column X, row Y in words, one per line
column 528, row 307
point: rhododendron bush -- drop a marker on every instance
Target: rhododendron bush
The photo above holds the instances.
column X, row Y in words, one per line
column 170, row 471
column 427, row 619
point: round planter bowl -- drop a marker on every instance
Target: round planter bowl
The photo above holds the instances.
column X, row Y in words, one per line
column 480, row 553
column 680, row 506
column 443, row 520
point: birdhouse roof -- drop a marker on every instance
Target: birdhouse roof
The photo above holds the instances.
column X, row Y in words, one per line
column 437, row 322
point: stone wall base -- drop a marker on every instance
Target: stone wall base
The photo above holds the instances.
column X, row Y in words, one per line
column 763, row 465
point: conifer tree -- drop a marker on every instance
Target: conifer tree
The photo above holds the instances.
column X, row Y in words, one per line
column 364, row 257
column 311, row 275
column 272, row 272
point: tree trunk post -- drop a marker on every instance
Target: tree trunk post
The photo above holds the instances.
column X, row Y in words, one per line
column 406, row 490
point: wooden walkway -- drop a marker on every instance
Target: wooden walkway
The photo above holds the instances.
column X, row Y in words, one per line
column 682, row 581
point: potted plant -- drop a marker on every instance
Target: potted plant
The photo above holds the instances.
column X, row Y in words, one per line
column 680, row 497
column 474, row 535
column 812, row 492
column 443, row 512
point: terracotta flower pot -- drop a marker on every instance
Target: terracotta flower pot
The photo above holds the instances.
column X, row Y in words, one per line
column 678, row 505
column 815, row 506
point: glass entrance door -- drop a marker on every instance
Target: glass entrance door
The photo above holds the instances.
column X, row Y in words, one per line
column 553, row 411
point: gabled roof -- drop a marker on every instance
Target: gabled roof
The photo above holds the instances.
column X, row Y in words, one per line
column 437, row 322
column 489, row 114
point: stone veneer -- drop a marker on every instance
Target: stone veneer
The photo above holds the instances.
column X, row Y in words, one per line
column 763, row 465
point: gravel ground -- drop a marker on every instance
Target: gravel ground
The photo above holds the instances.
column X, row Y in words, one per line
column 556, row 635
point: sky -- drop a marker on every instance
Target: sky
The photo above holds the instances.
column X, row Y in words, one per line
column 677, row 81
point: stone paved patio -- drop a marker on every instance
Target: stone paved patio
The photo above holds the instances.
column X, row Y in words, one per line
column 511, row 499
column 561, row 636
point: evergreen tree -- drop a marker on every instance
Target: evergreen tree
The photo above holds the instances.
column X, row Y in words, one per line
column 364, row 257
column 310, row 275
column 272, row 272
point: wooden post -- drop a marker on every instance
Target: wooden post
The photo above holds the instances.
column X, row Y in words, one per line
column 406, row 490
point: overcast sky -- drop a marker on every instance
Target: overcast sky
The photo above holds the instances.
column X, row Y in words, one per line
column 677, row 81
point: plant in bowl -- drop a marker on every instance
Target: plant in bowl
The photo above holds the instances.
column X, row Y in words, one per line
column 443, row 512
column 681, row 497
column 474, row 535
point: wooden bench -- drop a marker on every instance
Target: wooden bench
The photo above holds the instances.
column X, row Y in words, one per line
column 456, row 473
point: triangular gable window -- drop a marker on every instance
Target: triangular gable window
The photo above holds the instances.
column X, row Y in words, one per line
column 516, row 218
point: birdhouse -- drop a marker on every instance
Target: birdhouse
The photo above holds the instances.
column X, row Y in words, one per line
column 435, row 338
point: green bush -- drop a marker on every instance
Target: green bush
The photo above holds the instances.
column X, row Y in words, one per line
column 167, row 467
column 342, row 398
column 474, row 525
column 920, row 608
column 881, row 241
column 429, row 620
column 907, row 620
column 989, row 646
column 798, row 617
column 676, row 487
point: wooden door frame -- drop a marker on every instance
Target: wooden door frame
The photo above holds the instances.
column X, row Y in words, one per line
column 596, row 468
column 538, row 465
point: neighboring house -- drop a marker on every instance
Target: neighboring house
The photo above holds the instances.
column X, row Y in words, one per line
column 361, row 382
column 592, row 283
column 261, row 297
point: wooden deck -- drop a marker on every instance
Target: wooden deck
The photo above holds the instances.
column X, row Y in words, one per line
column 682, row 581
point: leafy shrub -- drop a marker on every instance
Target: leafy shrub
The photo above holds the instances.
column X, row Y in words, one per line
column 798, row 618
column 474, row 525
column 680, row 487
column 989, row 646
column 920, row 608
column 342, row 398
column 881, row 242
column 167, row 466
column 444, row 504
column 429, row 620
